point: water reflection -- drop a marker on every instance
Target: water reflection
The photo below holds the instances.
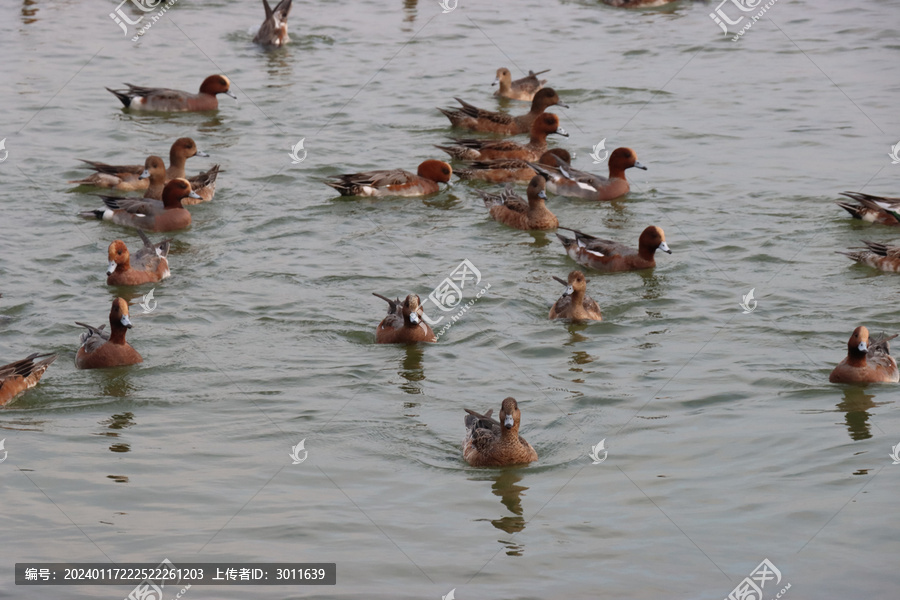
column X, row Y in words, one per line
column 113, row 425
column 411, row 369
column 541, row 239
column 29, row 14
column 410, row 11
column 506, row 487
column 855, row 405
column 653, row 285
column 279, row 67
column 116, row 384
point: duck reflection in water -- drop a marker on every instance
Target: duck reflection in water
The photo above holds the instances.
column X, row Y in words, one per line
column 29, row 14
column 506, row 487
column 114, row 424
column 856, row 403
column 411, row 370
column 409, row 9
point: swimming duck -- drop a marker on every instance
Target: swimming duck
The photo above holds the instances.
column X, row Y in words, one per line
column 147, row 265
column 394, row 182
column 147, row 214
column 508, row 208
column 575, row 304
column 128, row 178
column 880, row 256
column 273, row 33
column 479, row 119
column 16, row 377
column 100, row 349
column 873, row 209
column 480, row 149
column 166, row 100
column 403, row 323
column 520, row 89
column 508, row 170
column 610, row 256
column 866, row 361
column 563, row 180
column 496, row 444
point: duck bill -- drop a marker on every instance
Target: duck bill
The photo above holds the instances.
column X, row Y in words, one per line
column 111, row 268
column 562, row 132
column 125, row 321
column 202, row 153
column 145, row 174
column 496, row 82
column 665, row 248
column 563, row 104
column 414, row 318
column 638, row 165
column 542, row 195
column 194, row 194
column 508, row 422
column 569, row 291
column 863, row 347
column 232, row 94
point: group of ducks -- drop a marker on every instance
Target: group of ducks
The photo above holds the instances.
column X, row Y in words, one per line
column 488, row 442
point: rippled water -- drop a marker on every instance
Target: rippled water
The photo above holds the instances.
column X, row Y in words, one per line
column 726, row 443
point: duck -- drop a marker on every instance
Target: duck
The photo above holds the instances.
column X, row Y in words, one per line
column 563, row 180
column 479, row 149
column 395, row 182
column 273, row 33
column 867, row 361
column 610, row 256
column 490, row 443
column 155, row 173
column 167, row 100
column 403, row 323
column 878, row 255
column 169, row 214
column 508, row 170
column 508, row 208
column 873, row 209
column 128, row 178
column 575, row 304
column 204, row 185
column 22, row 375
column 479, row 119
column 520, row 89
column 100, row 349
column 147, row 265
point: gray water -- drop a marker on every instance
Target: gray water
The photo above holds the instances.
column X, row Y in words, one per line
column 726, row 444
